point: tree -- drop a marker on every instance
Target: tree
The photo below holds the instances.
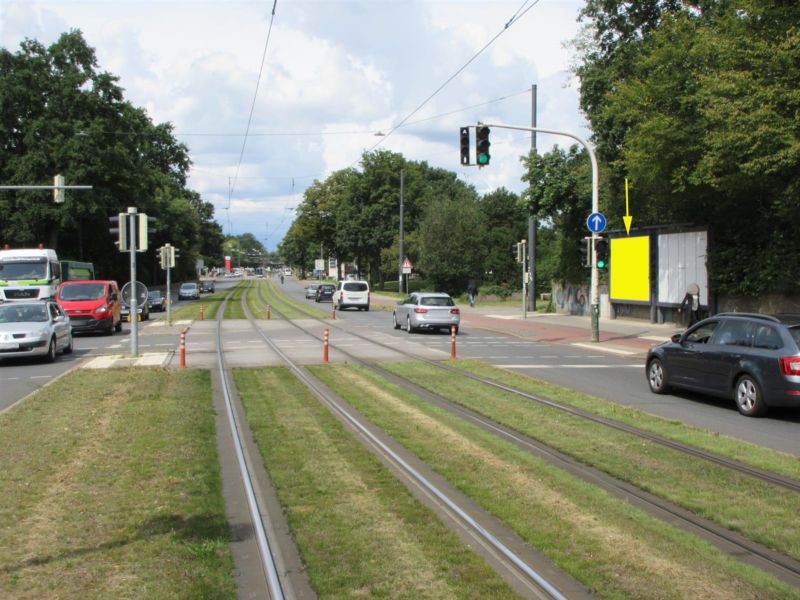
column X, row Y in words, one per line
column 506, row 223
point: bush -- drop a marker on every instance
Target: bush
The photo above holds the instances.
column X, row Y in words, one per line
column 501, row 291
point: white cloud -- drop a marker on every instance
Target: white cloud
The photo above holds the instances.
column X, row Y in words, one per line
column 356, row 66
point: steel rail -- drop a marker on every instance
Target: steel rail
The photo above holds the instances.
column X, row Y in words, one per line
column 311, row 382
column 267, row 558
column 734, row 465
column 782, row 566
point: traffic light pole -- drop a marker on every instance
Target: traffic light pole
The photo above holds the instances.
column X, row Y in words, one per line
column 134, row 308
column 595, row 281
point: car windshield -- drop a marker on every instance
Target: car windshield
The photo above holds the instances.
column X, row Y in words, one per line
column 24, row 270
column 83, row 291
column 189, row 286
column 154, row 295
column 436, row 301
column 23, row 313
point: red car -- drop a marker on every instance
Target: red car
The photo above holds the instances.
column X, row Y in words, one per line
column 92, row 305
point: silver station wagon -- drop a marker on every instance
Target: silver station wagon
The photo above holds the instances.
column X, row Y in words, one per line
column 426, row 310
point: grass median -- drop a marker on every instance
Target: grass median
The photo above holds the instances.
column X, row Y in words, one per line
column 359, row 531
column 761, row 511
column 613, row 548
column 111, row 489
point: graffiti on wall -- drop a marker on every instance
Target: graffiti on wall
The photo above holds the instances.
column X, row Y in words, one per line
column 572, row 299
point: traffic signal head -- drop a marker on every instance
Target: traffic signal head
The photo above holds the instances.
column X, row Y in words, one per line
column 465, row 145
column 601, row 253
column 583, row 251
column 482, row 143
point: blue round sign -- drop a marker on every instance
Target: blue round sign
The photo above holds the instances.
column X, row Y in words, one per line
column 596, row 222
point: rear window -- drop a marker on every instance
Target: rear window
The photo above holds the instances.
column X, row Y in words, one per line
column 356, row 286
column 434, row 301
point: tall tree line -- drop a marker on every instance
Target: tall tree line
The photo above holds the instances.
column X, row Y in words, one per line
column 60, row 114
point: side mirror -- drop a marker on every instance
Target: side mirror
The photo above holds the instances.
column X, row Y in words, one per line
column 113, row 296
column 676, row 337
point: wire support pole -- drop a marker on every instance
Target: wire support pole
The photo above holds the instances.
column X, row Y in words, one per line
column 595, row 281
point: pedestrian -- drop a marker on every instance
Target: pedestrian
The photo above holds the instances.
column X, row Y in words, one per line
column 691, row 302
column 281, row 278
column 472, row 291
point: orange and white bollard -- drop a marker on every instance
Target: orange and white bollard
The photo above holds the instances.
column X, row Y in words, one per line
column 325, row 336
column 333, row 307
column 453, row 342
column 202, row 312
column 183, row 349
column 267, row 312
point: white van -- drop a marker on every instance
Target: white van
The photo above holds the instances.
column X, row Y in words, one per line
column 351, row 293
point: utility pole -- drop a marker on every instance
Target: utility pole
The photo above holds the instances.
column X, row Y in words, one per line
column 595, row 281
column 402, row 249
column 532, row 217
column 133, row 220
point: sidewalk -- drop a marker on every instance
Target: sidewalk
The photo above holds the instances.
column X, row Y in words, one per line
column 625, row 337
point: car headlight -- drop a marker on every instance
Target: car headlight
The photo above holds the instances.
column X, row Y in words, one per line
column 101, row 309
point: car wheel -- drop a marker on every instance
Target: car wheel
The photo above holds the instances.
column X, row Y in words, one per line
column 395, row 324
column 68, row 349
column 656, row 376
column 367, row 308
column 340, row 306
column 748, row 397
column 51, row 351
column 408, row 325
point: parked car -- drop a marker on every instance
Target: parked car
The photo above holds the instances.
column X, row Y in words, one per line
column 143, row 310
column 426, row 310
column 325, row 292
column 753, row 359
column 92, row 305
column 40, row 328
column 156, row 300
column 311, row 290
column 351, row 293
column 189, row 291
column 207, row 287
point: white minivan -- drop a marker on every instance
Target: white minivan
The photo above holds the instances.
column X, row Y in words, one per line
column 351, row 293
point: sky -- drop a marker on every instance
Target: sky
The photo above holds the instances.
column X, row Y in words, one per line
column 336, row 75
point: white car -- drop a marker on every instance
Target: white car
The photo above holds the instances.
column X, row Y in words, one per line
column 189, row 291
column 426, row 310
column 311, row 290
column 34, row 329
column 351, row 293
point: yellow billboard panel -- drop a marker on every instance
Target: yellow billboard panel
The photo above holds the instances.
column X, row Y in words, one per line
column 630, row 269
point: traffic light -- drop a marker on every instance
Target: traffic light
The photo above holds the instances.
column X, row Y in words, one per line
column 601, row 253
column 583, row 251
column 167, row 256
column 465, row 146
column 119, row 227
column 482, row 143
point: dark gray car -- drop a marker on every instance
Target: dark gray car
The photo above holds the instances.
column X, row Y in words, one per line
column 753, row 359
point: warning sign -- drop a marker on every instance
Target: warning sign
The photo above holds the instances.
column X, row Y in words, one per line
column 406, row 266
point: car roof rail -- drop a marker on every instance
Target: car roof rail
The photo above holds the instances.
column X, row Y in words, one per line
column 772, row 318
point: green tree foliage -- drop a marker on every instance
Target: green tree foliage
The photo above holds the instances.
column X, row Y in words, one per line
column 560, row 196
column 698, row 104
column 506, row 222
column 60, row 114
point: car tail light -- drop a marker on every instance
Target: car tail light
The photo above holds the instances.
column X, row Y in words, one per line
column 790, row 365
column 420, row 310
column 455, row 311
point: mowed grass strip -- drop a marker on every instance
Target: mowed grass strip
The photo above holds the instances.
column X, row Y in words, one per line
column 288, row 306
column 191, row 311
column 614, row 549
column 234, row 309
column 739, row 450
column 761, row 511
column 111, row 489
column 359, row 531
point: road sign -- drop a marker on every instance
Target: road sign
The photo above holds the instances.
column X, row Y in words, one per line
column 141, row 293
column 596, row 222
column 406, row 266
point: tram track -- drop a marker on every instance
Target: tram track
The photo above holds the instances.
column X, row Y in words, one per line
column 526, row 570
column 781, row 566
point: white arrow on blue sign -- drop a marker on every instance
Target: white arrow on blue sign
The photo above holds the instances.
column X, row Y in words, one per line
column 596, row 222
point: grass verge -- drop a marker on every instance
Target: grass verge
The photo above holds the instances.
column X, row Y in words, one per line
column 111, row 489
column 759, row 510
column 614, row 549
column 360, row 532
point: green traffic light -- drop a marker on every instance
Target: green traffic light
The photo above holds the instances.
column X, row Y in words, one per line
column 601, row 264
column 483, row 159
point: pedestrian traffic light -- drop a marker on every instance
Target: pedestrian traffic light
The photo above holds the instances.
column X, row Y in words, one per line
column 601, row 253
column 482, row 143
column 465, row 146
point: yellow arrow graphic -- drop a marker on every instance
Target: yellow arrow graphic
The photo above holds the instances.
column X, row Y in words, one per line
column 627, row 219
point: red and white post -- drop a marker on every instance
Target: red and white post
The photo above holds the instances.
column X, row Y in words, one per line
column 182, row 350
column 453, row 342
column 325, row 336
